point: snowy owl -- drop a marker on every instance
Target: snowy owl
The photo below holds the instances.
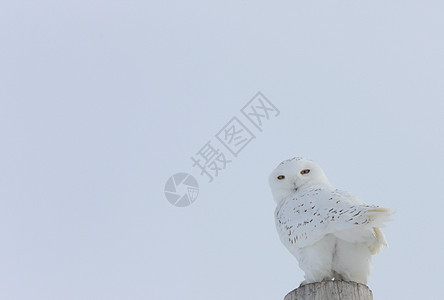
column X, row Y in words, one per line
column 332, row 233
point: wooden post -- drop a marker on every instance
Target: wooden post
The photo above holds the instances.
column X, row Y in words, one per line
column 331, row 290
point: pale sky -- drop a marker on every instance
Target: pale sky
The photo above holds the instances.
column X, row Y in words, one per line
column 102, row 101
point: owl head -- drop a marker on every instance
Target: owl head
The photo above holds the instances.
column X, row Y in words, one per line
column 295, row 174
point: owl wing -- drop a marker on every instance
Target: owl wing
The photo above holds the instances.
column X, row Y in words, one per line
column 356, row 222
column 306, row 217
column 301, row 219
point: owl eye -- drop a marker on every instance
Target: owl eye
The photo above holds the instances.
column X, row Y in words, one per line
column 280, row 177
column 306, row 171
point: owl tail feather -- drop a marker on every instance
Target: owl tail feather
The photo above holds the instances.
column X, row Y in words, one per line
column 378, row 217
column 379, row 242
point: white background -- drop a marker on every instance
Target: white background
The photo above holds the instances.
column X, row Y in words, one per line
column 102, row 101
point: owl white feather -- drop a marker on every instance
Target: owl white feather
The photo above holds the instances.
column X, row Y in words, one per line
column 332, row 233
